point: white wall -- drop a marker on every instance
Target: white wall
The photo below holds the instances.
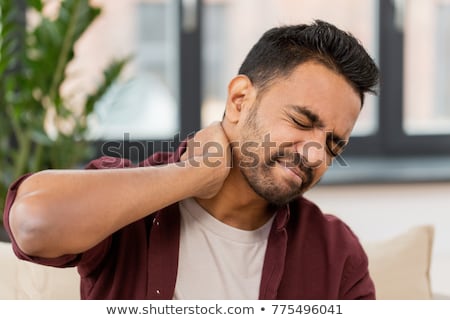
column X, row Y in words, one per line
column 377, row 212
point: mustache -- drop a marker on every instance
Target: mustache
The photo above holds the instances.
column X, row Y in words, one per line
column 293, row 160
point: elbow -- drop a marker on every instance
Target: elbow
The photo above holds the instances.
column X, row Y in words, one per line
column 27, row 226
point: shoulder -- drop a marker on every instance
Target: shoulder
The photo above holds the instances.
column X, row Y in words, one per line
column 328, row 238
column 107, row 162
column 158, row 158
column 327, row 232
column 332, row 227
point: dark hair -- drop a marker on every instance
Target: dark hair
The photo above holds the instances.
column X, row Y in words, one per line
column 282, row 49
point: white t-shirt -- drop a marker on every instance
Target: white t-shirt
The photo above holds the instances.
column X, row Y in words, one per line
column 217, row 261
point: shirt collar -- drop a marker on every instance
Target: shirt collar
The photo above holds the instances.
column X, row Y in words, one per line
column 282, row 217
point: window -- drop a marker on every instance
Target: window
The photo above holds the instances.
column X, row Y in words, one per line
column 413, row 112
column 145, row 104
column 231, row 27
column 427, row 67
column 404, row 134
column 186, row 51
column 412, row 143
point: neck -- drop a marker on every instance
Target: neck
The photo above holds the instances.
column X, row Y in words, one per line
column 237, row 205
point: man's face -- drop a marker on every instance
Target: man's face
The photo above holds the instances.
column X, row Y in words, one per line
column 291, row 133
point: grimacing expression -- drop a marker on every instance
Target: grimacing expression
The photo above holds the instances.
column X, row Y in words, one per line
column 298, row 125
column 256, row 167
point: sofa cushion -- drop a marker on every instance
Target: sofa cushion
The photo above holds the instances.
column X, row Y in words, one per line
column 25, row 280
column 400, row 266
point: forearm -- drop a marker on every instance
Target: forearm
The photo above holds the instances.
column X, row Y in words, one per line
column 68, row 211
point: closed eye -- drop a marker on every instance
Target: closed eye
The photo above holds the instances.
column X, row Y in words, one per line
column 332, row 152
column 335, row 146
column 301, row 124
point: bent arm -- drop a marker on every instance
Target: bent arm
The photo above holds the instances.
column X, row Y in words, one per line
column 60, row 212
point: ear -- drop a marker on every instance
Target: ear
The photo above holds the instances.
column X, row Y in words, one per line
column 241, row 95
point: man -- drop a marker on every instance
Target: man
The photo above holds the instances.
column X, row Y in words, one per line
column 224, row 216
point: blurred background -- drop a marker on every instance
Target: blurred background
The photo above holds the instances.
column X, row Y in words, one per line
column 146, row 72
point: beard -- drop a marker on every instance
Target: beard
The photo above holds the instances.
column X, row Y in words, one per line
column 277, row 191
column 262, row 176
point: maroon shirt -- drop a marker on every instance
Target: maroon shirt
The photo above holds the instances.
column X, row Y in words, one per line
column 309, row 255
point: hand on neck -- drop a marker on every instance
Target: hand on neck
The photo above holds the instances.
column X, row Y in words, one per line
column 237, row 205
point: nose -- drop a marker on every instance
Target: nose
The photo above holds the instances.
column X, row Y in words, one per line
column 313, row 149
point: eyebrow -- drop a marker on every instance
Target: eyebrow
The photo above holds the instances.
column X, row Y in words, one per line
column 316, row 121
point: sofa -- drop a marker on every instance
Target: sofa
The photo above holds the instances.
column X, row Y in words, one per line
column 400, row 268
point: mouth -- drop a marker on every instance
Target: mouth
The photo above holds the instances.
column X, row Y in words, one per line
column 292, row 171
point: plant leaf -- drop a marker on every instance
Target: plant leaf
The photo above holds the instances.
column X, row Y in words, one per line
column 36, row 4
column 110, row 75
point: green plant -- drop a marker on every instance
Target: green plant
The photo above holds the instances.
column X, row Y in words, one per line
column 33, row 61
